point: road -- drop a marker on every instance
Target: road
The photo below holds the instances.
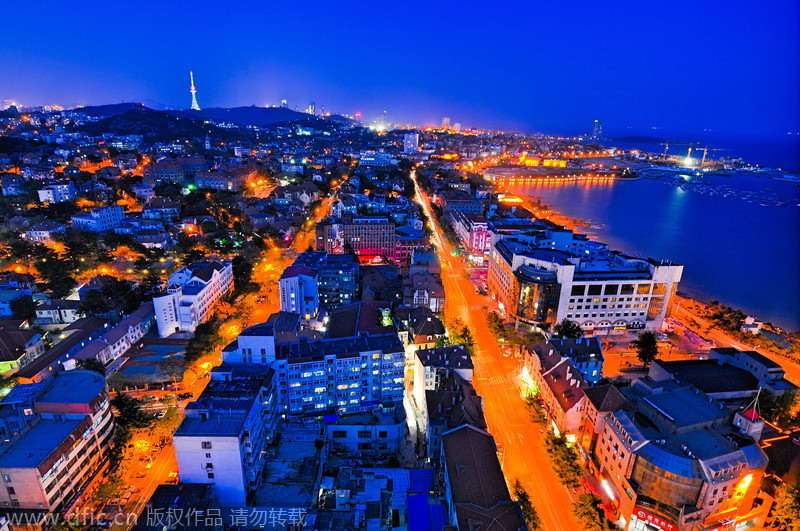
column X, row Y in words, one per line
column 520, row 443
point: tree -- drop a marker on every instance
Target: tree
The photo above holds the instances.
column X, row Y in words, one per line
column 589, row 511
column 568, row 330
column 779, row 409
column 23, row 308
column 646, row 347
column 94, row 303
column 495, row 324
column 205, row 340
column 565, row 460
column 528, row 510
column 131, row 414
column 91, row 364
column 786, row 509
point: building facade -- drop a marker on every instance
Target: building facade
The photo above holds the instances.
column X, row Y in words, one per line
column 190, row 296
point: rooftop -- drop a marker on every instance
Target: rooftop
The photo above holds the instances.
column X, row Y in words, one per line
column 38, row 443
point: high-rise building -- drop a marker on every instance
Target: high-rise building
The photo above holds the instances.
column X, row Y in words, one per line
column 410, row 142
column 195, row 106
column 284, row 104
column 366, row 236
column 59, row 433
column 222, row 439
column 99, row 219
column 312, row 108
column 457, row 127
column 446, row 122
column 597, row 130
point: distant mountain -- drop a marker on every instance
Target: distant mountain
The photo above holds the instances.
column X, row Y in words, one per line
column 644, row 140
column 155, row 126
column 257, row 116
column 114, row 109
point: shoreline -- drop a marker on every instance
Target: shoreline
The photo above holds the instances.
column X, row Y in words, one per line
column 577, row 224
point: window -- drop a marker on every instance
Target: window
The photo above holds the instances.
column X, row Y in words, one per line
column 339, row 434
column 208, row 456
column 205, row 445
column 11, row 490
column 578, row 290
column 627, row 289
column 611, row 289
column 595, row 289
column 210, row 475
column 383, row 434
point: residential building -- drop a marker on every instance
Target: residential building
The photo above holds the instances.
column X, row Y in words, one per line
column 223, row 437
column 472, row 230
column 475, row 488
column 298, row 289
column 161, row 208
column 99, row 219
column 453, row 403
column 458, row 201
column 18, row 347
column 547, row 276
column 65, row 427
column 424, row 289
column 9, row 294
column 370, row 238
column 424, row 328
column 58, row 311
column 376, row 431
column 71, row 340
column 433, row 366
column 57, row 192
column 318, row 375
column 44, row 230
column 585, row 353
column 115, row 342
column 190, row 296
column 410, row 142
column 559, row 385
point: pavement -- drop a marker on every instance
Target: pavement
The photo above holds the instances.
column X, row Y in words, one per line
column 520, row 443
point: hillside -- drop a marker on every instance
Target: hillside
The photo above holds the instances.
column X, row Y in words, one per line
column 257, row 116
column 155, row 126
column 114, row 109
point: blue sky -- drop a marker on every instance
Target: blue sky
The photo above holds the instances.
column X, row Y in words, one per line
column 682, row 67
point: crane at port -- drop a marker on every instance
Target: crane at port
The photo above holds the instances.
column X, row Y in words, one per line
column 705, row 151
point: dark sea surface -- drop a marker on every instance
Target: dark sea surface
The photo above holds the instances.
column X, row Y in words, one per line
column 733, row 250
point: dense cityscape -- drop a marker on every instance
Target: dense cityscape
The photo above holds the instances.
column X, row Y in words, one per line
column 278, row 316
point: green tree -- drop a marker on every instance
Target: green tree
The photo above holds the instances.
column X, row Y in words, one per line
column 786, row 509
column 495, row 324
column 646, row 347
column 528, row 510
column 565, row 460
column 131, row 414
column 91, row 364
column 23, row 308
column 205, row 340
column 567, row 329
column 94, row 303
column 589, row 511
column 779, row 409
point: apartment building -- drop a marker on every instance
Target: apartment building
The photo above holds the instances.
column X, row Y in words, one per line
column 190, row 296
column 222, row 438
column 99, row 219
column 63, row 432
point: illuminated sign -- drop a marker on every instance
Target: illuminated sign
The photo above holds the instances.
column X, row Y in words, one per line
column 651, row 519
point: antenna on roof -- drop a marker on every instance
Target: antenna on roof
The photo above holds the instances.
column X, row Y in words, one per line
column 754, row 403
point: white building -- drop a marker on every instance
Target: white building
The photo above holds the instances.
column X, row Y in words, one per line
column 99, row 219
column 299, row 291
column 44, row 231
column 190, row 297
column 410, row 142
column 431, row 367
column 57, row 192
column 221, row 440
column 551, row 275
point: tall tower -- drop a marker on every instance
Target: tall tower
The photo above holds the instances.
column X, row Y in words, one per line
column 195, row 106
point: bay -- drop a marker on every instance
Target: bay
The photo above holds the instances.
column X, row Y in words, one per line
column 733, row 250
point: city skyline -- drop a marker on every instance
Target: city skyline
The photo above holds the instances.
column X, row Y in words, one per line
column 563, row 74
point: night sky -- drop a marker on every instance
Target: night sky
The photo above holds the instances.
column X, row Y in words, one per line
column 681, row 66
